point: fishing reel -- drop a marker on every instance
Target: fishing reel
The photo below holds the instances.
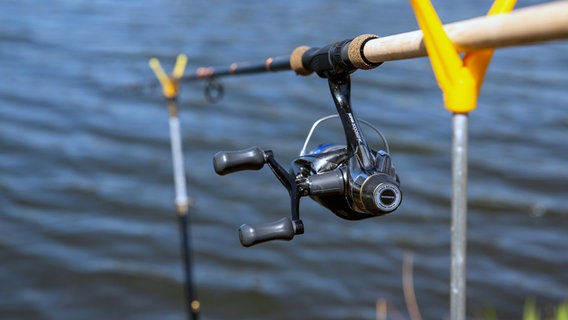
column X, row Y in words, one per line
column 353, row 181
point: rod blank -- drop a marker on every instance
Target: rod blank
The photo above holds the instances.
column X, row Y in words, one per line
column 540, row 23
column 271, row 64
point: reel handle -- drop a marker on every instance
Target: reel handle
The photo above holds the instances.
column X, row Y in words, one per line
column 226, row 162
column 283, row 229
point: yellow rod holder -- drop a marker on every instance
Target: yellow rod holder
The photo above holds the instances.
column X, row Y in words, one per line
column 169, row 83
column 170, row 89
column 460, row 81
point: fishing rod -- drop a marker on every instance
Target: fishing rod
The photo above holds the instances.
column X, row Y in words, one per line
column 529, row 25
column 540, row 23
column 303, row 60
column 170, row 86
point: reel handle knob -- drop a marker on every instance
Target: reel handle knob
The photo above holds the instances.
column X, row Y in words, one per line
column 226, row 162
column 283, row 229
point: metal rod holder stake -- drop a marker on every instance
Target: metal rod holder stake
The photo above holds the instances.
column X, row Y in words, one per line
column 459, row 215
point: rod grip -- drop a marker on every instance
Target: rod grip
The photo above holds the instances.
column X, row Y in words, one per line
column 296, row 63
column 356, row 54
column 282, row 229
column 225, row 162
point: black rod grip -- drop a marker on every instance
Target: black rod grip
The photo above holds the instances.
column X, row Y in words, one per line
column 226, row 162
column 282, row 229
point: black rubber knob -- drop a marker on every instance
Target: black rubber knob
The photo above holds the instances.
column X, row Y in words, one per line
column 226, row 162
column 381, row 194
column 282, row 229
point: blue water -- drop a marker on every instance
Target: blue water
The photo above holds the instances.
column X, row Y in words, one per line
column 87, row 221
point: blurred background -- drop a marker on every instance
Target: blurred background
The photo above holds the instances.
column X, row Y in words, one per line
column 87, row 221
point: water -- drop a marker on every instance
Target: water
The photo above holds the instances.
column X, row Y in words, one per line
column 87, row 221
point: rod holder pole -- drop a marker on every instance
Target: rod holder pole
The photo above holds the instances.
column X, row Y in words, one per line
column 182, row 209
column 170, row 90
column 459, row 216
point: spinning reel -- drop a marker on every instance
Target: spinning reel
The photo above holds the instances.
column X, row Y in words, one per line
column 353, row 181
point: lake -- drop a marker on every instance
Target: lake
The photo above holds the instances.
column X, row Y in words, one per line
column 87, row 217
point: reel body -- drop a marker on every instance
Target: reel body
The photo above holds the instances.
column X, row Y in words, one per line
column 343, row 187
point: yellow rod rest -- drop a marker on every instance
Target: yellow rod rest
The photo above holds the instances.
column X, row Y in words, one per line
column 170, row 84
column 460, row 80
column 179, row 68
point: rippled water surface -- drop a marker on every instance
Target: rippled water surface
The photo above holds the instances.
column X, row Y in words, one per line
column 87, row 221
